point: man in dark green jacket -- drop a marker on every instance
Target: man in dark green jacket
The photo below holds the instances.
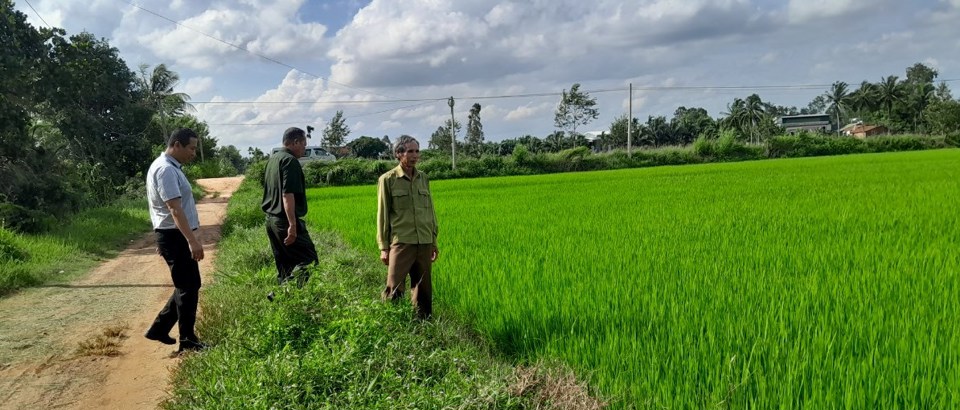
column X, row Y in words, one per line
column 285, row 203
column 407, row 227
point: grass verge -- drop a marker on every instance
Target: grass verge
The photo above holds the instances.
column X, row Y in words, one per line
column 333, row 344
column 69, row 249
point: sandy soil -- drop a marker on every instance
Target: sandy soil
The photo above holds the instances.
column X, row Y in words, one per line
column 43, row 364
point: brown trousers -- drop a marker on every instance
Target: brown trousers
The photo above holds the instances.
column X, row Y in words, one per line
column 412, row 259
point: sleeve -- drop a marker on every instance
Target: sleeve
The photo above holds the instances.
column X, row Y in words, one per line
column 383, row 214
column 291, row 175
column 436, row 225
column 168, row 184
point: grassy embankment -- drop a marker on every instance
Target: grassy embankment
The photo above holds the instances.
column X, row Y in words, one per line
column 334, row 345
column 72, row 247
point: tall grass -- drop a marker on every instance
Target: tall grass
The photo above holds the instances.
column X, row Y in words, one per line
column 69, row 248
column 816, row 283
column 333, row 344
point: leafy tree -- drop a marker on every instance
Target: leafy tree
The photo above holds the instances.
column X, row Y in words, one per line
column 839, row 99
column 336, row 131
column 207, row 145
column 659, row 130
column 575, row 108
column 944, row 117
column 475, row 131
column 256, row 154
column 367, row 147
column 618, row 132
column 817, row 106
column 689, row 123
column 943, row 92
column 919, row 73
column 231, row 155
column 440, row 139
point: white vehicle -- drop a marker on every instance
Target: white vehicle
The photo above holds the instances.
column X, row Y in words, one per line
column 314, row 154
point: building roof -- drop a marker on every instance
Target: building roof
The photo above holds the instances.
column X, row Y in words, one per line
column 863, row 128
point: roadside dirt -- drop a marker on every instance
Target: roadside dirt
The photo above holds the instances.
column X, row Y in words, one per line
column 80, row 345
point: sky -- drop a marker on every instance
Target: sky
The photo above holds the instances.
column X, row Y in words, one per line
column 255, row 67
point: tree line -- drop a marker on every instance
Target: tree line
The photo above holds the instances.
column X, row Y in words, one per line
column 78, row 127
column 915, row 104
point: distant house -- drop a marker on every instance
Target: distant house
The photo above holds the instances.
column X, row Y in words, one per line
column 595, row 139
column 813, row 122
column 864, row 131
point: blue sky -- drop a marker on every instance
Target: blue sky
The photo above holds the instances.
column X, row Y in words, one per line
column 352, row 55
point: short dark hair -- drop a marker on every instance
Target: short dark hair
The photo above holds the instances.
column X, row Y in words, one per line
column 401, row 145
column 181, row 135
column 293, row 134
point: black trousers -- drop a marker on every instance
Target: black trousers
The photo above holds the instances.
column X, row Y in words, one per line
column 291, row 260
column 181, row 308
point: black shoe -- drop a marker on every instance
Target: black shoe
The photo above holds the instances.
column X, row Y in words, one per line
column 270, row 296
column 191, row 345
column 162, row 338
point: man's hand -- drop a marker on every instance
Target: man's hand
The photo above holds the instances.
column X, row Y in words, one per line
column 196, row 250
column 291, row 235
column 385, row 257
column 435, row 254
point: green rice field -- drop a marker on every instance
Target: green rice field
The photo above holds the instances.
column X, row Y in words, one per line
column 827, row 282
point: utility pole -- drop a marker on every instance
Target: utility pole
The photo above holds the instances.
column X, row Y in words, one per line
column 453, row 136
column 630, row 122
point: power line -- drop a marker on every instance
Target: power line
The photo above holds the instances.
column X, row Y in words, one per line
column 786, row 87
column 37, row 13
column 239, row 47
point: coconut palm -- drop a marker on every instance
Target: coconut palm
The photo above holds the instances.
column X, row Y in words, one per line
column 839, row 99
column 889, row 92
column 158, row 86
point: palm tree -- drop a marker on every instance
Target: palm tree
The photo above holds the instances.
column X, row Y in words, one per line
column 921, row 96
column 755, row 111
column 889, row 92
column 736, row 116
column 160, row 96
column 839, row 99
column 864, row 99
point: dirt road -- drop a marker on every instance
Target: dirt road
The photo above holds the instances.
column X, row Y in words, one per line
column 80, row 345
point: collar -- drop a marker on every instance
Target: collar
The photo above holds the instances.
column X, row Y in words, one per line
column 173, row 161
column 400, row 172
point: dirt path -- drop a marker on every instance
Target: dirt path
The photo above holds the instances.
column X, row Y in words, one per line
column 81, row 346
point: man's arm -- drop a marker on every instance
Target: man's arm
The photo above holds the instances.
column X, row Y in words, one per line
column 289, row 207
column 180, row 219
column 383, row 221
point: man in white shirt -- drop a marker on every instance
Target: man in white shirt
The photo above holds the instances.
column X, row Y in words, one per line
column 173, row 213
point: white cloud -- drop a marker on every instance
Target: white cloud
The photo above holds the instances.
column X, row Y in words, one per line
column 198, row 85
column 801, row 11
column 770, row 57
column 527, row 111
column 390, row 125
column 268, row 30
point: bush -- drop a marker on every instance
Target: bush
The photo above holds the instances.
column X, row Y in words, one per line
column 20, row 219
column 255, row 172
column 952, row 139
column 10, row 248
column 704, row 147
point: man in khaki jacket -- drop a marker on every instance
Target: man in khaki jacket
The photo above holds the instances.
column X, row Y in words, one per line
column 407, row 227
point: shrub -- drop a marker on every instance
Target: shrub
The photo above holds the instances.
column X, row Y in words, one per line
column 10, row 248
column 20, row 219
column 255, row 172
column 704, row 147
